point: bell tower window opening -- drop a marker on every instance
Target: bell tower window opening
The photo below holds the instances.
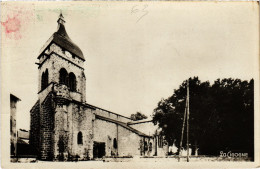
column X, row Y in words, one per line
column 72, row 82
column 45, row 79
column 63, row 76
column 42, row 82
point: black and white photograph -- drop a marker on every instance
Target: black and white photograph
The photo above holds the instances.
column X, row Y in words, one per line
column 148, row 84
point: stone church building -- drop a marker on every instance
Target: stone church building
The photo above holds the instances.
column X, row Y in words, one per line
column 65, row 127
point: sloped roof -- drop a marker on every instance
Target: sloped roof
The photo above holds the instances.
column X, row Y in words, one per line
column 13, row 97
column 36, row 105
column 95, row 107
column 140, row 121
column 62, row 39
column 21, row 141
column 122, row 124
column 23, row 134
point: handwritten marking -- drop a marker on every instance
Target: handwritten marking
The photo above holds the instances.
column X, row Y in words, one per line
column 137, row 9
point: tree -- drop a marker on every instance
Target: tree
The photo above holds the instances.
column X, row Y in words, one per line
column 138, row 116
column 221, row 115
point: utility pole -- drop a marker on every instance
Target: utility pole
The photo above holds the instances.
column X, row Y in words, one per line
column 183, row 125
column 186, row 117
column 188, row 113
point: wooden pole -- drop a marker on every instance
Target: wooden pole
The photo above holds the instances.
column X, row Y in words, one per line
column 182, row 131
column 16, row 145
column 188, row 113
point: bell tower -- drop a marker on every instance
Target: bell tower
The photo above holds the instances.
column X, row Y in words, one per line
column 61, row 62
column 61, row 89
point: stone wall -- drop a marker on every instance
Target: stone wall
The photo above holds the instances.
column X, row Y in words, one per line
column 80, row 119
column 60, row 132
column 35, row 127
column 70, row 119
column 46, row 127
column 128, row 143
column 13, row 137
column 106, row 132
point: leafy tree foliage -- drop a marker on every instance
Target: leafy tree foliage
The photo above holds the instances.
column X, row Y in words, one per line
column 221, row 116
column 138, row 116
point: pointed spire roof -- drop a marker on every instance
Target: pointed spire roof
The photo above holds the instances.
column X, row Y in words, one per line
column 61, row 38
column 61, row 19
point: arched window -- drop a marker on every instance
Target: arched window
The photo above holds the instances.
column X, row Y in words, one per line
column 72, row 81
column 80, row 138
column 45, row 79
column 63, row 76
column 115, row 143
column 42, row 82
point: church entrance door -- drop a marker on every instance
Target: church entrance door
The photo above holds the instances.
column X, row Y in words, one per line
column 99, row 149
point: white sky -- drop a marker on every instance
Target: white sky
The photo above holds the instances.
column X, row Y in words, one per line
column 130, row 64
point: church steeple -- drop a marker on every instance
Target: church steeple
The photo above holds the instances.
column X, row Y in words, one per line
column 62, row 39
column 61, row 20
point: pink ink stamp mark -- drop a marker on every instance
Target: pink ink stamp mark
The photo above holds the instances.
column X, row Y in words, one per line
column 12, row 27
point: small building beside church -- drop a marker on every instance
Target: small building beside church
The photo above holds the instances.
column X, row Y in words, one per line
column 13, row 131
column 64, row 126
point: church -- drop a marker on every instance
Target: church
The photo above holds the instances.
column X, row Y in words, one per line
column 65, row 127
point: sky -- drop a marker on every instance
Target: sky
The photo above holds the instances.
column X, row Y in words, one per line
column 136, row 52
